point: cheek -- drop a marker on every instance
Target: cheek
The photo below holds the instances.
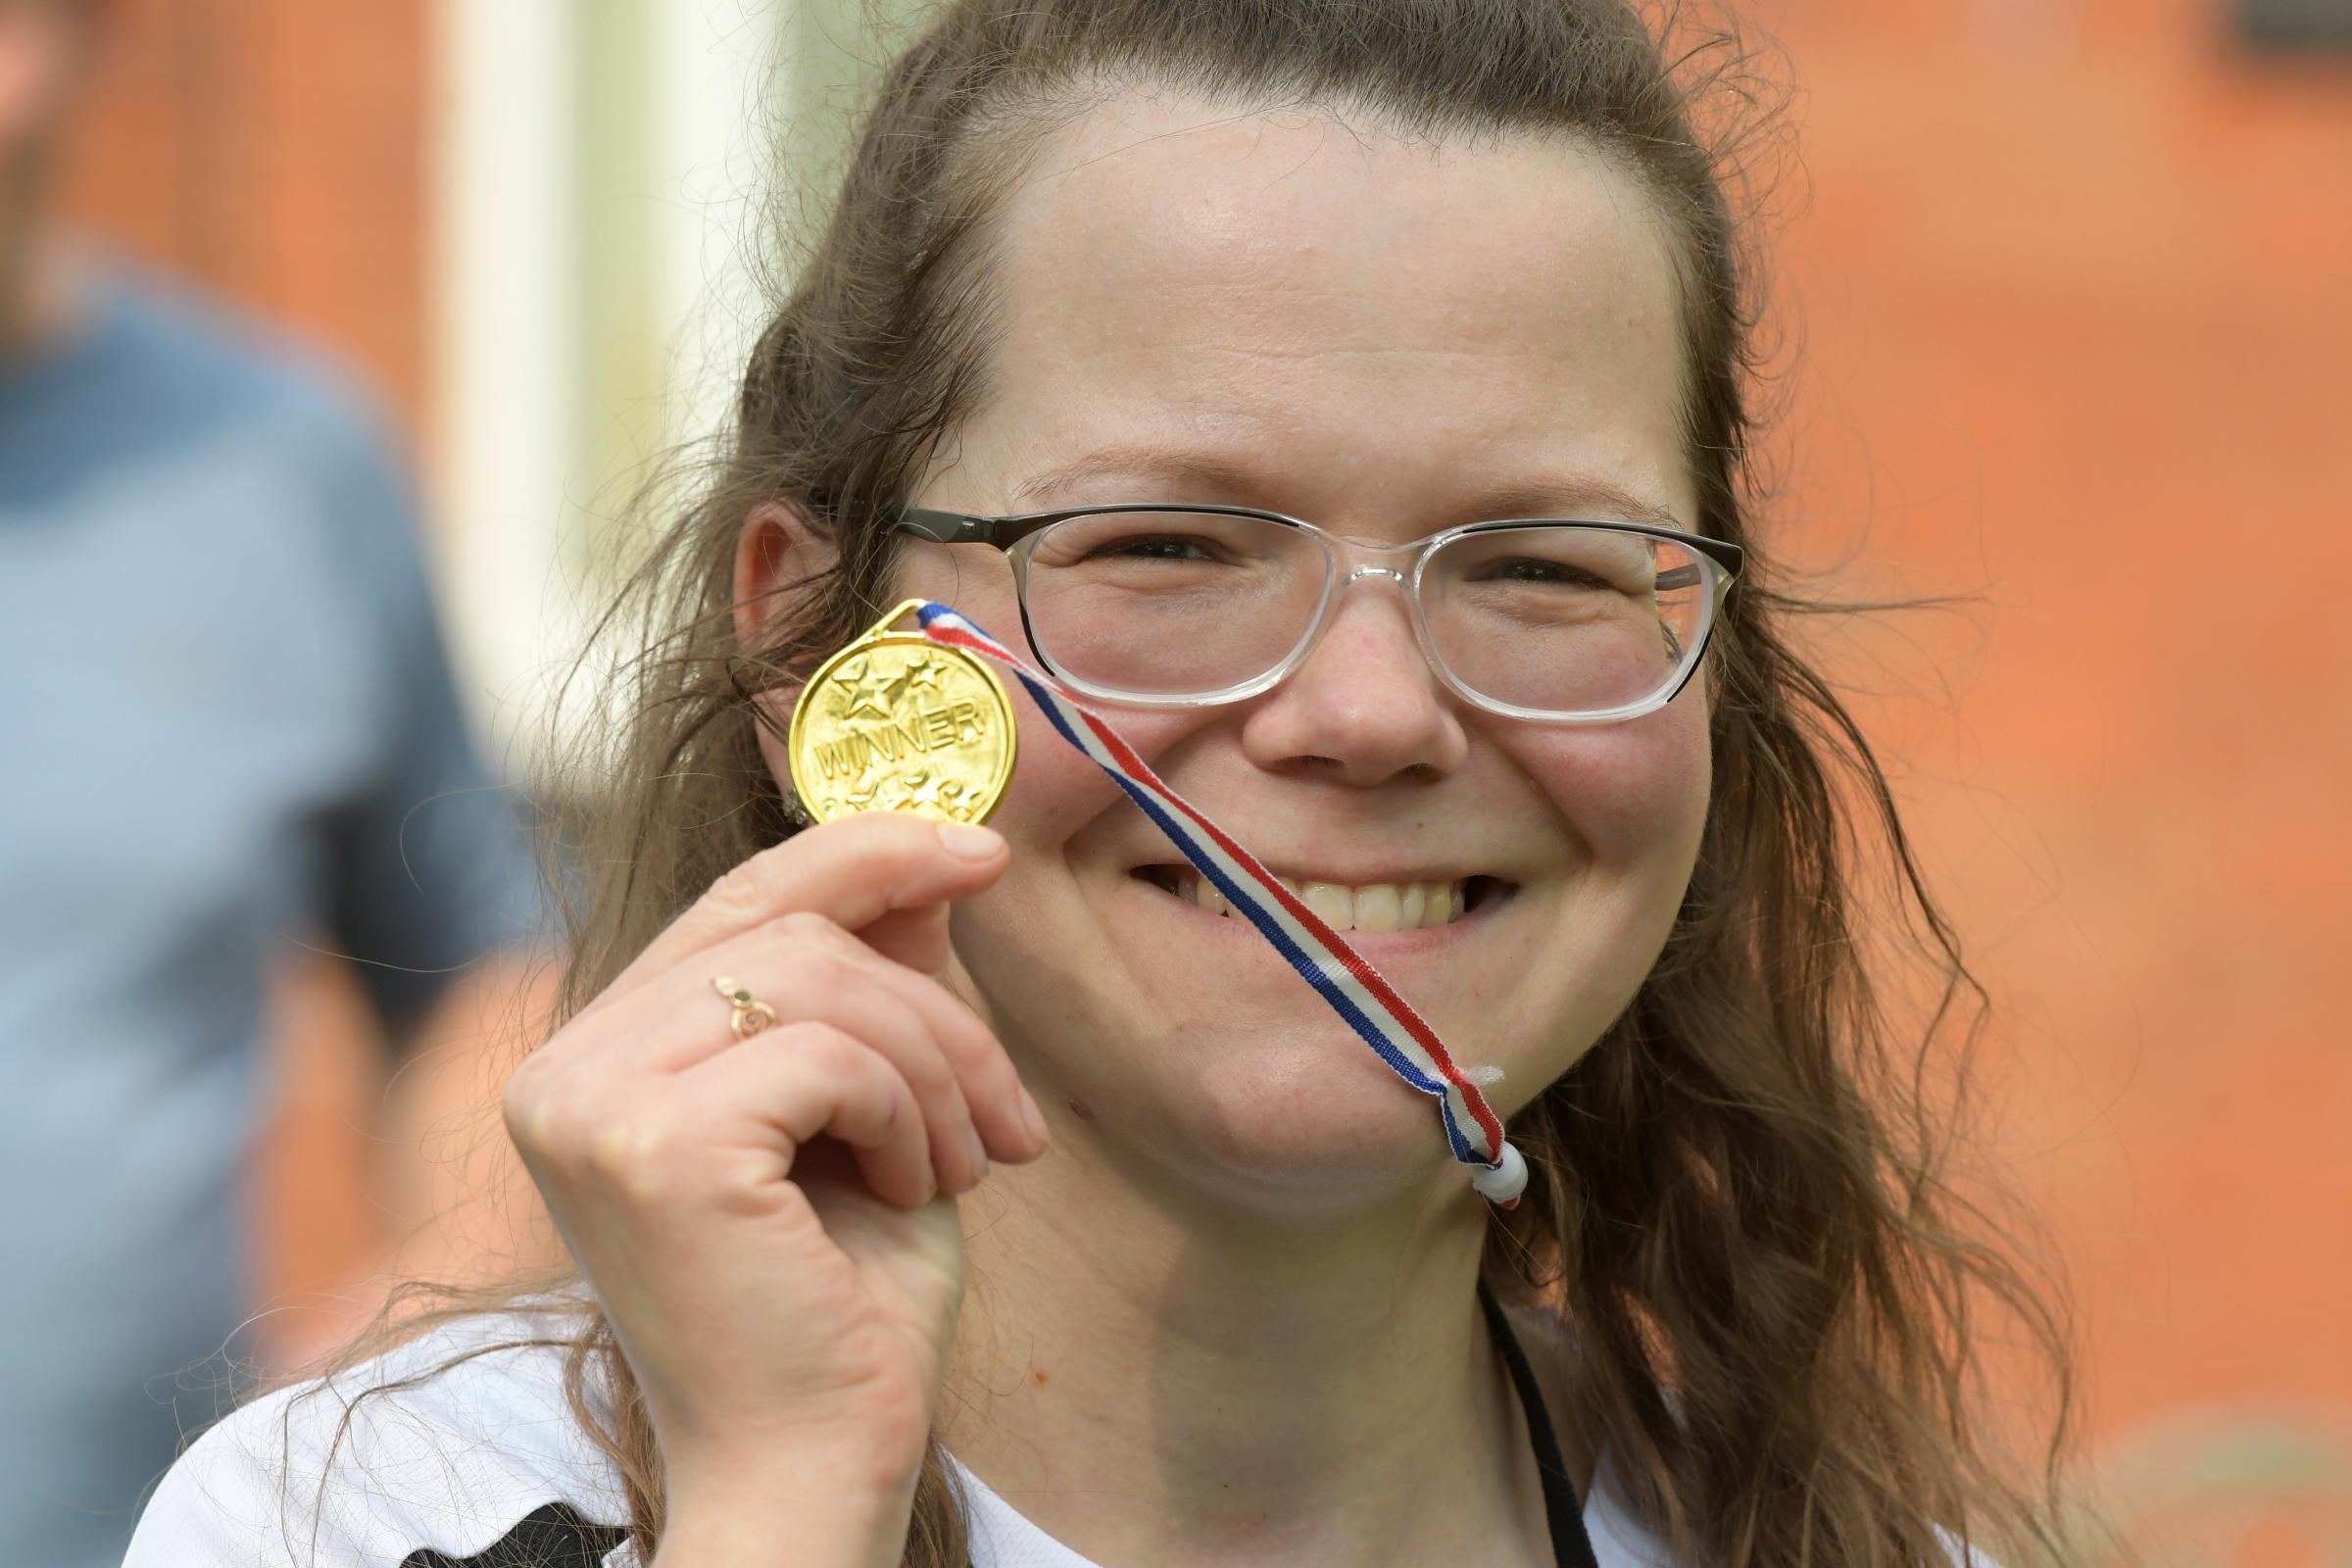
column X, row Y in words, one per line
column 1635, row 794
column 1055, row 792
column 1060, row 801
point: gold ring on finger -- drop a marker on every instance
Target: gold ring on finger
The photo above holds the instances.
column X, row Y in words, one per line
column 751, row 1013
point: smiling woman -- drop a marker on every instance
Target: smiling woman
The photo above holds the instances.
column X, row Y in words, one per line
column 1384, row 368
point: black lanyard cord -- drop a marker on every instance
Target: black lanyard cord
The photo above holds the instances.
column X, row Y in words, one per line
column 1571, row 1544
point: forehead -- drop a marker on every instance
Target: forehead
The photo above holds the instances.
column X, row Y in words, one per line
column 1344, row 312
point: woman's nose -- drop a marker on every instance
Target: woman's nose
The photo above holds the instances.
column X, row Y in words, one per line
column 1364, row 707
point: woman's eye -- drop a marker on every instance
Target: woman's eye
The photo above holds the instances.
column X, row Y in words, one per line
column 1527, row 568
column 1155, row 547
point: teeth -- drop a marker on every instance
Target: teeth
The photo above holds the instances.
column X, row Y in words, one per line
column 1377, row 907
column 1380, row 907
column 1335, row 904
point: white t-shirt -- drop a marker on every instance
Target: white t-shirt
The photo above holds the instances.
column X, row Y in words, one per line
column 484, row 1465
column 1002, row 1537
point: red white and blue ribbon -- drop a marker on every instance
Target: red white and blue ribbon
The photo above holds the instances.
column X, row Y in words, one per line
column 1355, row 991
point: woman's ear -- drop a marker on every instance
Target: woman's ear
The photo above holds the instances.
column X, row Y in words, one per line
column 778, row 550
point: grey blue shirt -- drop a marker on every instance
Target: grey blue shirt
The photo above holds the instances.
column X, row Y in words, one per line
column 226, row 725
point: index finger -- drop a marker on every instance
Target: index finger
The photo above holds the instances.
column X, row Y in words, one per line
column 853, row 871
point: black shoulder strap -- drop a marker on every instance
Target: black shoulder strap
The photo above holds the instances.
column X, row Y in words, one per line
column 553, row 1537
column 1571, row 1547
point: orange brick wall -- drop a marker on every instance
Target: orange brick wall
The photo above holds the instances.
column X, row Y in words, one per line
column 273, row 150
column 2077, row 295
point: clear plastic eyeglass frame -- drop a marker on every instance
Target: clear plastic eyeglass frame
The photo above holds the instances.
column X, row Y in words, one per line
column 1401, row 563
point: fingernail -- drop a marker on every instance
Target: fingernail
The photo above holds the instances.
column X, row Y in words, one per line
column 1034, row 1117
column 967, row 841
column 979, row 1154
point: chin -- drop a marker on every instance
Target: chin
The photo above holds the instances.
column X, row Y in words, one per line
column 1293, row 1131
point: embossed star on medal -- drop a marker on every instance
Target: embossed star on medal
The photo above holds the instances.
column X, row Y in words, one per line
column 897, row 722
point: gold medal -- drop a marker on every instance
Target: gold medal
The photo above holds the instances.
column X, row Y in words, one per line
column 896, row 723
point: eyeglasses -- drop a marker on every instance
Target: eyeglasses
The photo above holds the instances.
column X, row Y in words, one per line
column 1168, row 604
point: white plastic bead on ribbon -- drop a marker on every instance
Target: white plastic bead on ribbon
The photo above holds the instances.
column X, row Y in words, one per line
column 1359, row 992
column 1504, row 1182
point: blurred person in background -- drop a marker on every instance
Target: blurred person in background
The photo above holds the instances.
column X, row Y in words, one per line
column 229, row 726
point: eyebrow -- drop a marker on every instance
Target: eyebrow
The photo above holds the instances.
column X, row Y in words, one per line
column 1567, row 495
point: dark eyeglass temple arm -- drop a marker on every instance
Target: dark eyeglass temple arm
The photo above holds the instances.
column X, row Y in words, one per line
column 948, row 527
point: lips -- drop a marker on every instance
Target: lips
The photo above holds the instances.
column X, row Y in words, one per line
column 1406, row 906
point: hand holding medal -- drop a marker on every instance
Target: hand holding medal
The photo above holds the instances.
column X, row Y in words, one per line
column 913, row 721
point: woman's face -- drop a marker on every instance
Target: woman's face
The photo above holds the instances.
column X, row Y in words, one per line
column 1385, row 339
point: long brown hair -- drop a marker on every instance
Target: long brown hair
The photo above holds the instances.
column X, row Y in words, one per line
column 1747, row 1205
